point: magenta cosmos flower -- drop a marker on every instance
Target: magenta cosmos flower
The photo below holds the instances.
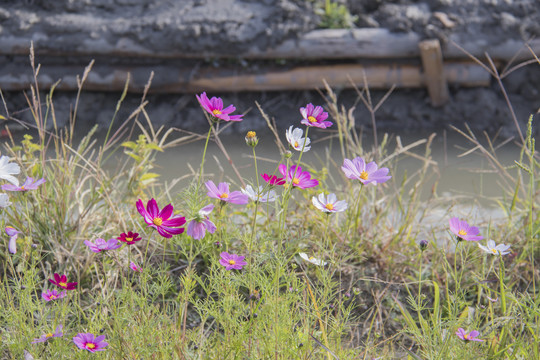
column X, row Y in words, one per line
column 329, row 204
column 357, row 169
column 232, row 261
column 130, row 238
column 198, row 227
column 100, row 245
column 50, row 295
column 90, row 342
column 297, row 177
column 13, row 234
column 45, row 337
column 221, row 192
column 464, row 231
column 61, row 281
column 463, row 335
column 215, row 107
column 29, row 184
column 162, row 221
column 314, row 116
column 273, row 180
column 135, row 267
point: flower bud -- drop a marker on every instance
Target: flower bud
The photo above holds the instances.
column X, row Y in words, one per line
column 288, row 154
column 356, row 291
column 423, row 244
column 252, row 139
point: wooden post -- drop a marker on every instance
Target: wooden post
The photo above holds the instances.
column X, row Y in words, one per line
column 435, row 79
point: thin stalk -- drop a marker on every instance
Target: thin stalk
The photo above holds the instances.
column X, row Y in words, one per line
column 204, row 156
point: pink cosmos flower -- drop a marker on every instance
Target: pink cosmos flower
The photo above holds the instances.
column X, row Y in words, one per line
column 215, row 107
column 102, row 245
column 463, row 335
column 45, row 337
column 329, row 204
column 90, row 342
column 232, row 261
column 13, row 234
column 61, row 281
column 50, row 295
column 162, row 221
column 314, row 116
column 365, row 173
column 221, row 192
column 130, row 238
column 197, row 227
column 464, row 231
column 135, row 267
column 297, row 177
column 29, row 184
column 273, row 180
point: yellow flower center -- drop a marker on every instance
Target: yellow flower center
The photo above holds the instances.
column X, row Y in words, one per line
column 22, row 187
column 311, row 119
column 53, row 297
column 224, row 196
column 129, row 239
column 494, row 251
column 329, row 206
column 462, row 232
column 232, row 262
column 62, row 284
column 296, row 181
column 296, row 144
column 216, row 112
column 90, row 346
column 48, row 335
column 364, row 175
column 311, row 258
column 11, row 227
column 157, row 221
column 466, row 336
column 251, row 134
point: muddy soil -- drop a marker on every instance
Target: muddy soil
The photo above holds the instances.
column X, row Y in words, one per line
column 232, row 26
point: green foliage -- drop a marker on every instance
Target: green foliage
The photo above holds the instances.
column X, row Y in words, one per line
column 334, row 15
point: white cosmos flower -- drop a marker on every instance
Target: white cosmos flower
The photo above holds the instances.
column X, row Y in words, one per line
column 329, row 204
column 313, row 259
column 269, row 196
column 4, row 201
column 7, row 170
column 494, row 249
column 295, row 139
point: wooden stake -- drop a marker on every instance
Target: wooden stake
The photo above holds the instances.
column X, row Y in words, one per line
column 435, row 79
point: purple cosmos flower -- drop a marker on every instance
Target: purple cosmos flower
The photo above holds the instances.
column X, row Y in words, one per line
column 90, row 342
column 215, row 107
column 463, row 231
column 269, row 196
column 296, row 141
column 29, row 184
column 162, row 221
column 222, row 193
column 273, row 180
column 366, row 174
column 197, row 227
column 135, row 267
column 45, row 337
column 130, row 238
column 314, row 116
column 495, row 249
column 463, row 335
column 7, row 170
column 13, row 234
column 329, row 204
column 50, row 295
column 232, row 261
column 102, row 245
column 61, row 281
column 297, row 177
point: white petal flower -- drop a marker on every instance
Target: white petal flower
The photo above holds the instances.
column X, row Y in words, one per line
column 7, row 170
column 4, row 201
column 329, row 204
column 493, row 249
column 313, row 259
column 295, row 139
column 269, row 196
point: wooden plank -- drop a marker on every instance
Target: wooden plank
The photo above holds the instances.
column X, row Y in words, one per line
column 432, row 64
column 170, row 79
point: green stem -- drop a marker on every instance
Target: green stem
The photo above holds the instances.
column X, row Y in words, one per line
column 501, row 284
column 204, row 156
